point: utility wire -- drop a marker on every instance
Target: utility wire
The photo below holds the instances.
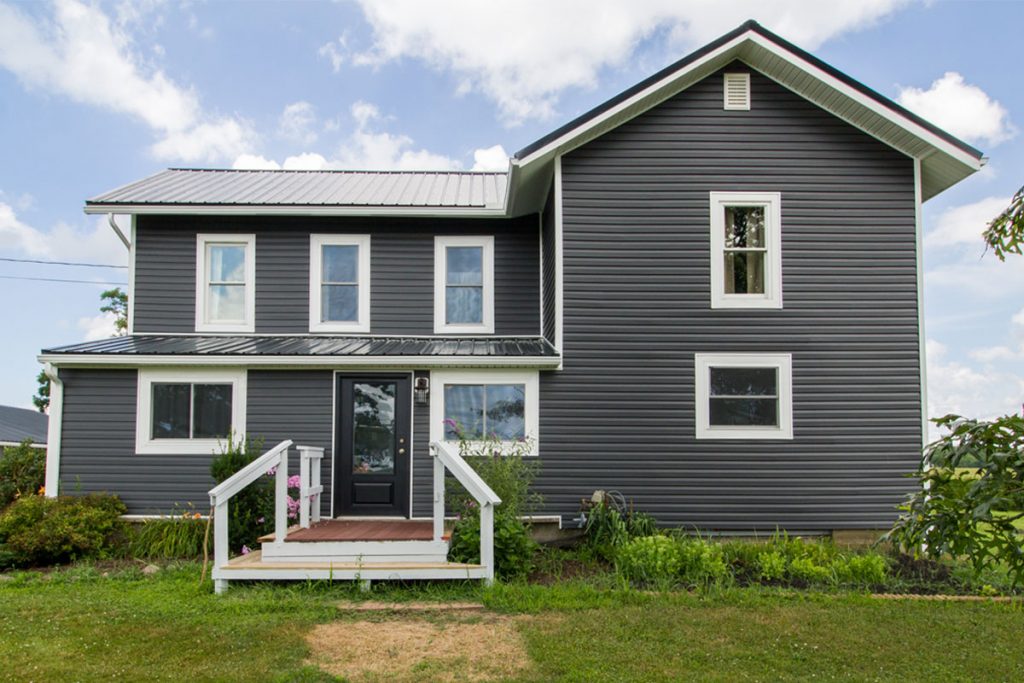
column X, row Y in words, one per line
column 54, row 279
column 59, row 263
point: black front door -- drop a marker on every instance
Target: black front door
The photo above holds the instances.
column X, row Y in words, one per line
column 373, row 449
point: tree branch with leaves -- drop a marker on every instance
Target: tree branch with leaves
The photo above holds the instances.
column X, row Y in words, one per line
column 1005, row 234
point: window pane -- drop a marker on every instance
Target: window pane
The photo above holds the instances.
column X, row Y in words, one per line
column 170, row 411
column 211, row 410
column 744, row 381
column 465, row 266
column 339, row 303
column 227, row 302
column 227, row 262
column 754, row 412
column 373, row 434
column 744, row 226
column 744, row 272
column 340, row 263
column 464, row 305
column 464, row 403
column 506, row 411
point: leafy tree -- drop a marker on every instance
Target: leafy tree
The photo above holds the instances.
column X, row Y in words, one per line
column 116, row 301
column 1005, row 234
column 969, row 512
column 113, row 301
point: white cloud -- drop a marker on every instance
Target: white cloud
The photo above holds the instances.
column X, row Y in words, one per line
column 964, row 224
column 983, row 393
column 523, row 54
column 100, row 326
column 255, row 162
column 17, row 236
column 95, row 243
column 1018, row 318
column 297, row 122
column 80, row 53
column 490, row 159
column 963, row 109
column 335, row 52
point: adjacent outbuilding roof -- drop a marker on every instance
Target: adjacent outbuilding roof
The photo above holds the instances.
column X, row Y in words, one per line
column 308, row 191
column 317, row 350
column 18, row 424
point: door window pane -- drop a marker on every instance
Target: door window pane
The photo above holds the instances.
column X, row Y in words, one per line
column 339, row 303
column 170, row 411
column 211, row 410
column 373, row 432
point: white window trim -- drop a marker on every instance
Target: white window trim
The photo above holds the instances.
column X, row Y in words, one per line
column 316, row 252
column 202, row 291
column 441, row 243
column 772, row 203
column 531, row 412
column 783, row 362
column 146, row 445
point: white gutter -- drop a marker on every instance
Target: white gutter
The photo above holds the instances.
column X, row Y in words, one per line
column 124, row 239
column 325, row 361
column 56, row 413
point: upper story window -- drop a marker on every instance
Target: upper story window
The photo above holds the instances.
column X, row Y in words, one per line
column 464, row 285
column 746, row 250
column 189, row 411
column 225, row 283
column 744, row 396
column 339, row 283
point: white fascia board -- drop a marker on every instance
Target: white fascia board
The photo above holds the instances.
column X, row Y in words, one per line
column 368, row 362
column 272, row 210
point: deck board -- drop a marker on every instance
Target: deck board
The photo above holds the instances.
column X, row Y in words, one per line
column 254, row 560
column 363, row 530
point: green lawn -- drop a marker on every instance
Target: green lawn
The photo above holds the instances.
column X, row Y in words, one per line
column 79, row 625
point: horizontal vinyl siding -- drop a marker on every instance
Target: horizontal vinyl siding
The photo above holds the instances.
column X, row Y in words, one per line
column 402, row 271
column 548, row 264
column 637, row 309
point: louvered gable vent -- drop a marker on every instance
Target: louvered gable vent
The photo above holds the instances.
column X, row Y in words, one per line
column 737, row 91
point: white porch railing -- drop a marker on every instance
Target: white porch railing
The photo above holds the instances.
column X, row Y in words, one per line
column 276, row 458
column 445, row 457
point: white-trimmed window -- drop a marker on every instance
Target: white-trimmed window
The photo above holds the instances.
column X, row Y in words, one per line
column 482, row 403
column 189, row 411
column 464, row 285
column 744, row 395
column 225, row 283
column 746, row 250
column 339, row 283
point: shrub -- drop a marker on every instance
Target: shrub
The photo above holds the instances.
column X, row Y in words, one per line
column 37, row 531
column 649, row 560
column 861, row 570
column 611, row 523
column 178, row 536
column 22, row 471
column 805, row 569
column 702, row 562
column 251, row 510
column 513, row 547
column 771, row 565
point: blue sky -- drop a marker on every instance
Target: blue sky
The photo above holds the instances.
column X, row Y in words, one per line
column 94, row 95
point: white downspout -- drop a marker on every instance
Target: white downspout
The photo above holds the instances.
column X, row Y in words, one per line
column 53, row 433
column 124, row 238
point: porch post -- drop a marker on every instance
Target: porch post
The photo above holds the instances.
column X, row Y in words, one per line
column 487, row 541
column 220, row 545
column 438, row 496
column 281, row 499
column 304, row 486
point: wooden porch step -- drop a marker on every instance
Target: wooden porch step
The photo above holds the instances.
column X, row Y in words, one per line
column 253, row 566
column 359, row 530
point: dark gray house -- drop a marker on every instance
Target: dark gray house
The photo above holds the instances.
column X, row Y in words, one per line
column 704, row 293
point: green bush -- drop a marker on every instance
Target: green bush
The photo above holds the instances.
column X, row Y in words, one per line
column 771, row 565
column 179, row 536
column 702, row 562
column 251, row 510
column 861, row 570
column 513, row 547
column 22, row 471
column 611, row 524
column 37, row 531
column 649, row 560
column 805, row 569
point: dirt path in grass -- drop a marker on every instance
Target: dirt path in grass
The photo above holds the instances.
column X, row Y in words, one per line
column 405, row 644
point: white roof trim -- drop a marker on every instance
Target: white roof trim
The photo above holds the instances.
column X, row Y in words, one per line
column 197, row 360
column 278, row 210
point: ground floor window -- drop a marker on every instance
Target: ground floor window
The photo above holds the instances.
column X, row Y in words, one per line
column 744, row 395
column 188, row 411
column 500, row 404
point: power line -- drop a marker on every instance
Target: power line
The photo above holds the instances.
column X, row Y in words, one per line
column 59, row 263
column 54, row 279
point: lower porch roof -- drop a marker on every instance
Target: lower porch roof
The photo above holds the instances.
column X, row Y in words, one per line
column 307, row 350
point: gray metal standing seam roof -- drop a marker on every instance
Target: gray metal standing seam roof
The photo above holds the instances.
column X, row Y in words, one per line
column 146, row 345
column 183, row 186
column 18, row 424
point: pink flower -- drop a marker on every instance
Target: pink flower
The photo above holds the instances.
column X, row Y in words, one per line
column 449, row 422
column 294, row 481
column 245, row 550
column 260, row 520
column 272, row 471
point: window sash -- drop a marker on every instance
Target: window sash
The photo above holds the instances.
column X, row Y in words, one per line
column 485, row 409
column 190, row 424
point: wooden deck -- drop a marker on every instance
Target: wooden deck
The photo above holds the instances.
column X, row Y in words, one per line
column 362, row 530
column 254, row 567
